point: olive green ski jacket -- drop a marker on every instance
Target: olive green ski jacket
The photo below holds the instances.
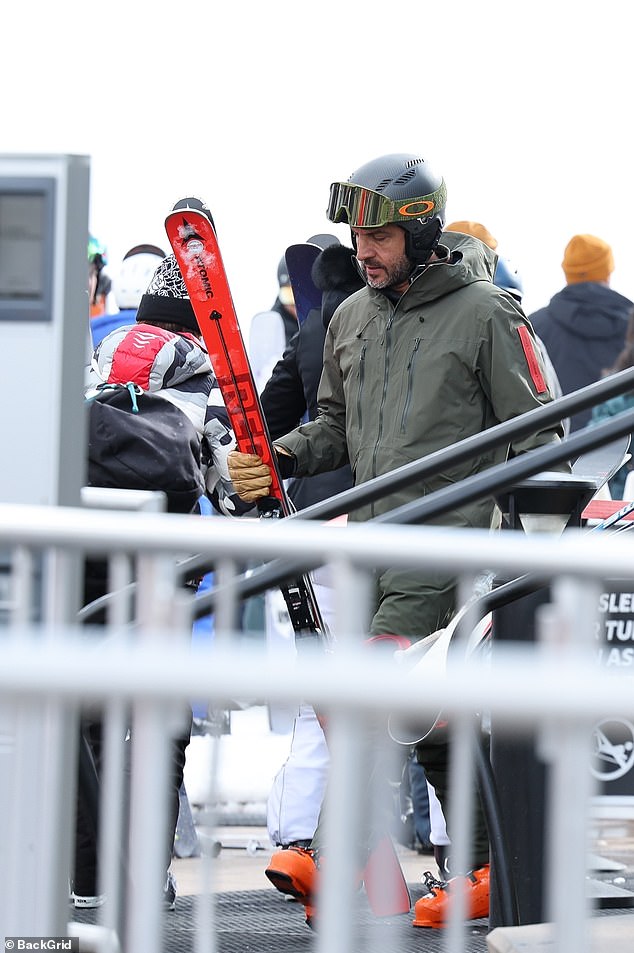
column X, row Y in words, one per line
column 454, row 356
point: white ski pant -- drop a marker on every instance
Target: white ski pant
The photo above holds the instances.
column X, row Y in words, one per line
column 298, row 788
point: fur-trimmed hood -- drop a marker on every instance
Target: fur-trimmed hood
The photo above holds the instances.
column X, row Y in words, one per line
column 334, row 270
column 335, row 273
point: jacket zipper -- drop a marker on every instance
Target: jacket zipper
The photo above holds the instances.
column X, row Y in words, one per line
column 361, row 380
column 410, row 384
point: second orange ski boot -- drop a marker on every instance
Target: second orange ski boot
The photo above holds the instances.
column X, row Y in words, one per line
column 432, row 910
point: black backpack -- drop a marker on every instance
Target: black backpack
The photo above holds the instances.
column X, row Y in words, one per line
column 140, row 441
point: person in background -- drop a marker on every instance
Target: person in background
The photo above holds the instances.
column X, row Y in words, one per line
column 621, row 487
column 290, row 396
column 584, row 325
column 291, row 390
column 270, row 332
column 128, row 286
column 476, row 229
column 161, row 352
column 99, row 281
column 385, row 400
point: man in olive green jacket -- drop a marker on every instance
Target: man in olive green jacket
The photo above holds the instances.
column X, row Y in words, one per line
column 449, row 357
column 428, row 353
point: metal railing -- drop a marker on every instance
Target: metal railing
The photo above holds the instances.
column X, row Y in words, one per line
column 50, row 668
column 479, row 485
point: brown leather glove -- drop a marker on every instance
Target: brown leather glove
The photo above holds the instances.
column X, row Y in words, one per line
column 251, row 477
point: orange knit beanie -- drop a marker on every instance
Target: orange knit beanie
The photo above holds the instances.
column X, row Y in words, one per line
column 587, row 258
column 475, row 229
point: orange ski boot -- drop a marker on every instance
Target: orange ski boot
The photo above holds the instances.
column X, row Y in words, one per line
column 432, row 910
column 293, row 870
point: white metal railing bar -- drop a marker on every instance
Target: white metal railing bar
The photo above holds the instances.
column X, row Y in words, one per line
column 157, row 670
column 575, row 552
column 523, row 685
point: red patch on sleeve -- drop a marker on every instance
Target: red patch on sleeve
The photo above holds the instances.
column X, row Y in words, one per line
column 532, row 360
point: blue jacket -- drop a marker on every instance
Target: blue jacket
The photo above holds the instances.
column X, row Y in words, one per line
column 105, row 323
column 583, row 328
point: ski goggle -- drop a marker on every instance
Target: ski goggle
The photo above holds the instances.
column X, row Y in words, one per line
column 363, row 208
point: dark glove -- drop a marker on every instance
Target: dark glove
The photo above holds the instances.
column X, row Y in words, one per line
column 285, row 462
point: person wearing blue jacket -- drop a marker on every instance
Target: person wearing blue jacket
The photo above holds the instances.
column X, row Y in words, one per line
column 128, row 287
column 583, row 326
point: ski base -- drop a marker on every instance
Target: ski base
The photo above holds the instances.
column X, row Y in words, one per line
column 385, row 884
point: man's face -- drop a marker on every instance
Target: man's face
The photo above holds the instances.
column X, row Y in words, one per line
column 381, row 254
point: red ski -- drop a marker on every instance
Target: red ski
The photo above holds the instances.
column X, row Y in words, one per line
column 193, row 239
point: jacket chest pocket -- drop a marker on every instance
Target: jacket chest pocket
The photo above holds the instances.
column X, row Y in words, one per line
column 363, row 372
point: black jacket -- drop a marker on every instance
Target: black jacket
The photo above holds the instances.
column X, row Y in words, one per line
column 291, row 392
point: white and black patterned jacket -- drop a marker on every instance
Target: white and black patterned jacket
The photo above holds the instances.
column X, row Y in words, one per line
column 176, row 367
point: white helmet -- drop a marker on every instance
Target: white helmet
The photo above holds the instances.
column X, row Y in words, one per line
column 134, row 275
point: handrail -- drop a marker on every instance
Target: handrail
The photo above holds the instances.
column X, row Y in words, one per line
column 505, row 432
column 441, row 501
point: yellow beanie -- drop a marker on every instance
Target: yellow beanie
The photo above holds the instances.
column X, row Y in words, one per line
column 475, row 229
column 587, row 258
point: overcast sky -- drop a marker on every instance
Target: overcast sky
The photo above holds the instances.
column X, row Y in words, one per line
column 524, row 107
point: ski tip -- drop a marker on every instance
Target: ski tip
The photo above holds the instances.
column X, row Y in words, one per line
column 195, row 205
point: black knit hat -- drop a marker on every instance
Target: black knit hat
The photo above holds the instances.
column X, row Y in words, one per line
column 166, row 298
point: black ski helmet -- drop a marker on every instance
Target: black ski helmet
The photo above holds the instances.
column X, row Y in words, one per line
column 399, row 188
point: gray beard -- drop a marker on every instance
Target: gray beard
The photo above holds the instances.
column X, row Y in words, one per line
column 400, row 272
